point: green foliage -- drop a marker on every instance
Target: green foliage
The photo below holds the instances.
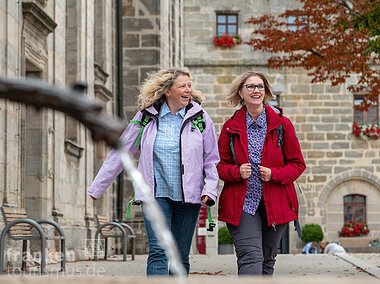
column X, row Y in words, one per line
column 312, row 233
column 374, row 45
column 224, row 236
column 369, row 21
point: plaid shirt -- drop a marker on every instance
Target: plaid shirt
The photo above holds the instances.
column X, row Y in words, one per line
column 166, row 154
column 256, row 135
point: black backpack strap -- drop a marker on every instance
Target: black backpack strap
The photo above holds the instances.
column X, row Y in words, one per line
column 280, row 135
column 232, row 148
column 297, row 228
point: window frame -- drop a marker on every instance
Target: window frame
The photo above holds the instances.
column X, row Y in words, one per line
column 354, row 204
column 226, row 24
column 291, row 23
column 364, row 116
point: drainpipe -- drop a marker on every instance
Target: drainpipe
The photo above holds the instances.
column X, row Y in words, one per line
column 119, row 63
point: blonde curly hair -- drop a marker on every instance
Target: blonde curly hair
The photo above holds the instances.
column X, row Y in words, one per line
column 233, row 96
column 158, row 83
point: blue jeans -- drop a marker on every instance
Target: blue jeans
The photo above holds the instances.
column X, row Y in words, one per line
column 181, row 219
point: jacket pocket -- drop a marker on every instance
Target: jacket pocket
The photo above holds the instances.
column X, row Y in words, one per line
column 291, row 197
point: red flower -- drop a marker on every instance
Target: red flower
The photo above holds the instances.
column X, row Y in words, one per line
column 353, row 230
column 356, row 129
column 366, row 131
column 226, row 41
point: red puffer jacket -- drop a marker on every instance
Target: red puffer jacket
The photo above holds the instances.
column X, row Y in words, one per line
column 286, row 163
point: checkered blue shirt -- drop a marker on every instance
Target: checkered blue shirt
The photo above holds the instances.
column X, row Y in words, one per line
column 166, row 155
column 256, row 131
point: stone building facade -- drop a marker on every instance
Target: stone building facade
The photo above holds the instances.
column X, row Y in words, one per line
column 338, row 163
column 48, row 159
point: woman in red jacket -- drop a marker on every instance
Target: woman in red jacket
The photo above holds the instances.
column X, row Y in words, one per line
column 260, row 158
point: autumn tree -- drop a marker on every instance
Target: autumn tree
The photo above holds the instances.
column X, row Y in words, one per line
column 332, row 39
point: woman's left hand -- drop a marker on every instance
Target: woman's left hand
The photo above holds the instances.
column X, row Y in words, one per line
column 204, row 198
column 265, row 173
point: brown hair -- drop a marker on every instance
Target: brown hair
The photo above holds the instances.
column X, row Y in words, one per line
column 233, row 95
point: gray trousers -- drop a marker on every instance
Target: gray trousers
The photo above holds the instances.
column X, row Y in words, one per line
column 256, row 243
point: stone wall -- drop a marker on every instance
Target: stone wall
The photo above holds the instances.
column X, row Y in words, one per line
column 152, row 40
column 47, row 159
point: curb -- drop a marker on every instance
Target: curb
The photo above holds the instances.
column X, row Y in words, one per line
column 367, row 267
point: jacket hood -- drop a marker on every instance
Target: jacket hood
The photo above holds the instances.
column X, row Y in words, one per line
column 276, row 109
column 274, row 116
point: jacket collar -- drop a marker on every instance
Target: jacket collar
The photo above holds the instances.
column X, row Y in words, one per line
column 273, row 114
column 191, row 109
column 238, row 121
column 165, row 110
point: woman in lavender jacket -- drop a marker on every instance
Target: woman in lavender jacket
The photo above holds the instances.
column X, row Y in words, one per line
column 177, row 159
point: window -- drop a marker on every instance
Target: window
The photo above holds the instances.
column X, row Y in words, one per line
column 291, row 26
column 370, row 116
column 294, row 23
column 355, row 208
column 226, row 23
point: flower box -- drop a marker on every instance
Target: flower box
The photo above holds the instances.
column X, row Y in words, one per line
column 356, row 229
column 226, row 40
column 354, row 242
column 366, row 131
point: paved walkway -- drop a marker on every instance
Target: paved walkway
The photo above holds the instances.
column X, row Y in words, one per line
column 346, row 266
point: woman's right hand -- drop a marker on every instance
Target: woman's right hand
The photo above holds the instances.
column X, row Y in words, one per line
column 245, row 170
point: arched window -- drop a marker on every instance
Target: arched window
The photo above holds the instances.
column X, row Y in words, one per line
column 355, row 208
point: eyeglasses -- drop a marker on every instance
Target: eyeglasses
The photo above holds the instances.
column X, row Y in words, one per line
column 252, row 87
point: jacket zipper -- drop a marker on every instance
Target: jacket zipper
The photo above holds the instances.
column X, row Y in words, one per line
column 180, row 149
column 267, row 204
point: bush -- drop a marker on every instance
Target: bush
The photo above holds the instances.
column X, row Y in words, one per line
column 224, row 236
column 312, row 233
